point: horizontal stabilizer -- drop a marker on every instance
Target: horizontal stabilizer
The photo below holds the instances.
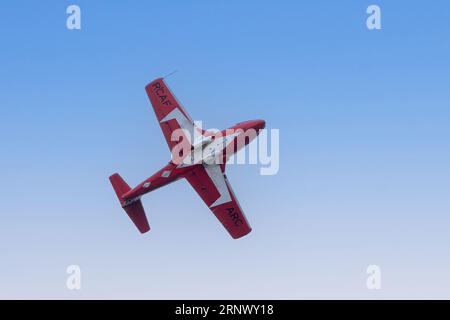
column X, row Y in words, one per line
column 119, row 185
column 137, row 214
column 134, row 209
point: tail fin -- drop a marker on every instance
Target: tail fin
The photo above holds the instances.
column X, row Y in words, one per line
column 135, row 210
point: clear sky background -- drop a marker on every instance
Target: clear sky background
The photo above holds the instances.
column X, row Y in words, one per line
column 364, row 120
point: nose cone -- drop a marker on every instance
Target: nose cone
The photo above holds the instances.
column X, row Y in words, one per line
column 259, row 125
column 251, row 124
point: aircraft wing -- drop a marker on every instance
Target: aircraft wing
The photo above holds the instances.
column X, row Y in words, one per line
column 213, row 187
column 169, row 112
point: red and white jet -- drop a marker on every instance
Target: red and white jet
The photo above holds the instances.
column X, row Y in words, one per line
column 197, row 155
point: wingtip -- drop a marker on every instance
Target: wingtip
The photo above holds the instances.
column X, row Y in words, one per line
column 153, row 82
column 241, row 235
column 142, row 231
column 161, row 78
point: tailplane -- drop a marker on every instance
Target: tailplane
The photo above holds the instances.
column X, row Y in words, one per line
column 133, row 208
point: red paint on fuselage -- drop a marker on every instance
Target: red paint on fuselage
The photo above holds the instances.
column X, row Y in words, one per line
column 171, row 172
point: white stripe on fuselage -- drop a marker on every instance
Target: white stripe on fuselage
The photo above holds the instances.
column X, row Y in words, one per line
column 210, row 151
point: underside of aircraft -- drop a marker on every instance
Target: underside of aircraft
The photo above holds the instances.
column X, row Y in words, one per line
column 198, row 156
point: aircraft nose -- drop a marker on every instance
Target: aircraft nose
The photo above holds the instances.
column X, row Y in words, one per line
column 259, row 124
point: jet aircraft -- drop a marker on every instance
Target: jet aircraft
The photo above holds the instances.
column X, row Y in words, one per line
column 198, row 155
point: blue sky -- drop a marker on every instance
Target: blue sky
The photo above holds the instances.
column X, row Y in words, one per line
column 364, row 124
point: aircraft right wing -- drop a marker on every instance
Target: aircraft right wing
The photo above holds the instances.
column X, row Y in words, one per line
column 169, row 112
column 212, row 186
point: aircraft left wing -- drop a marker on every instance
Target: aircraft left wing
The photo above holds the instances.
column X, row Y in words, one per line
column 212, row 186
column 169, row 112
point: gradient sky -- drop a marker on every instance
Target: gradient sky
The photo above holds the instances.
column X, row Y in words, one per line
column 364, row 120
